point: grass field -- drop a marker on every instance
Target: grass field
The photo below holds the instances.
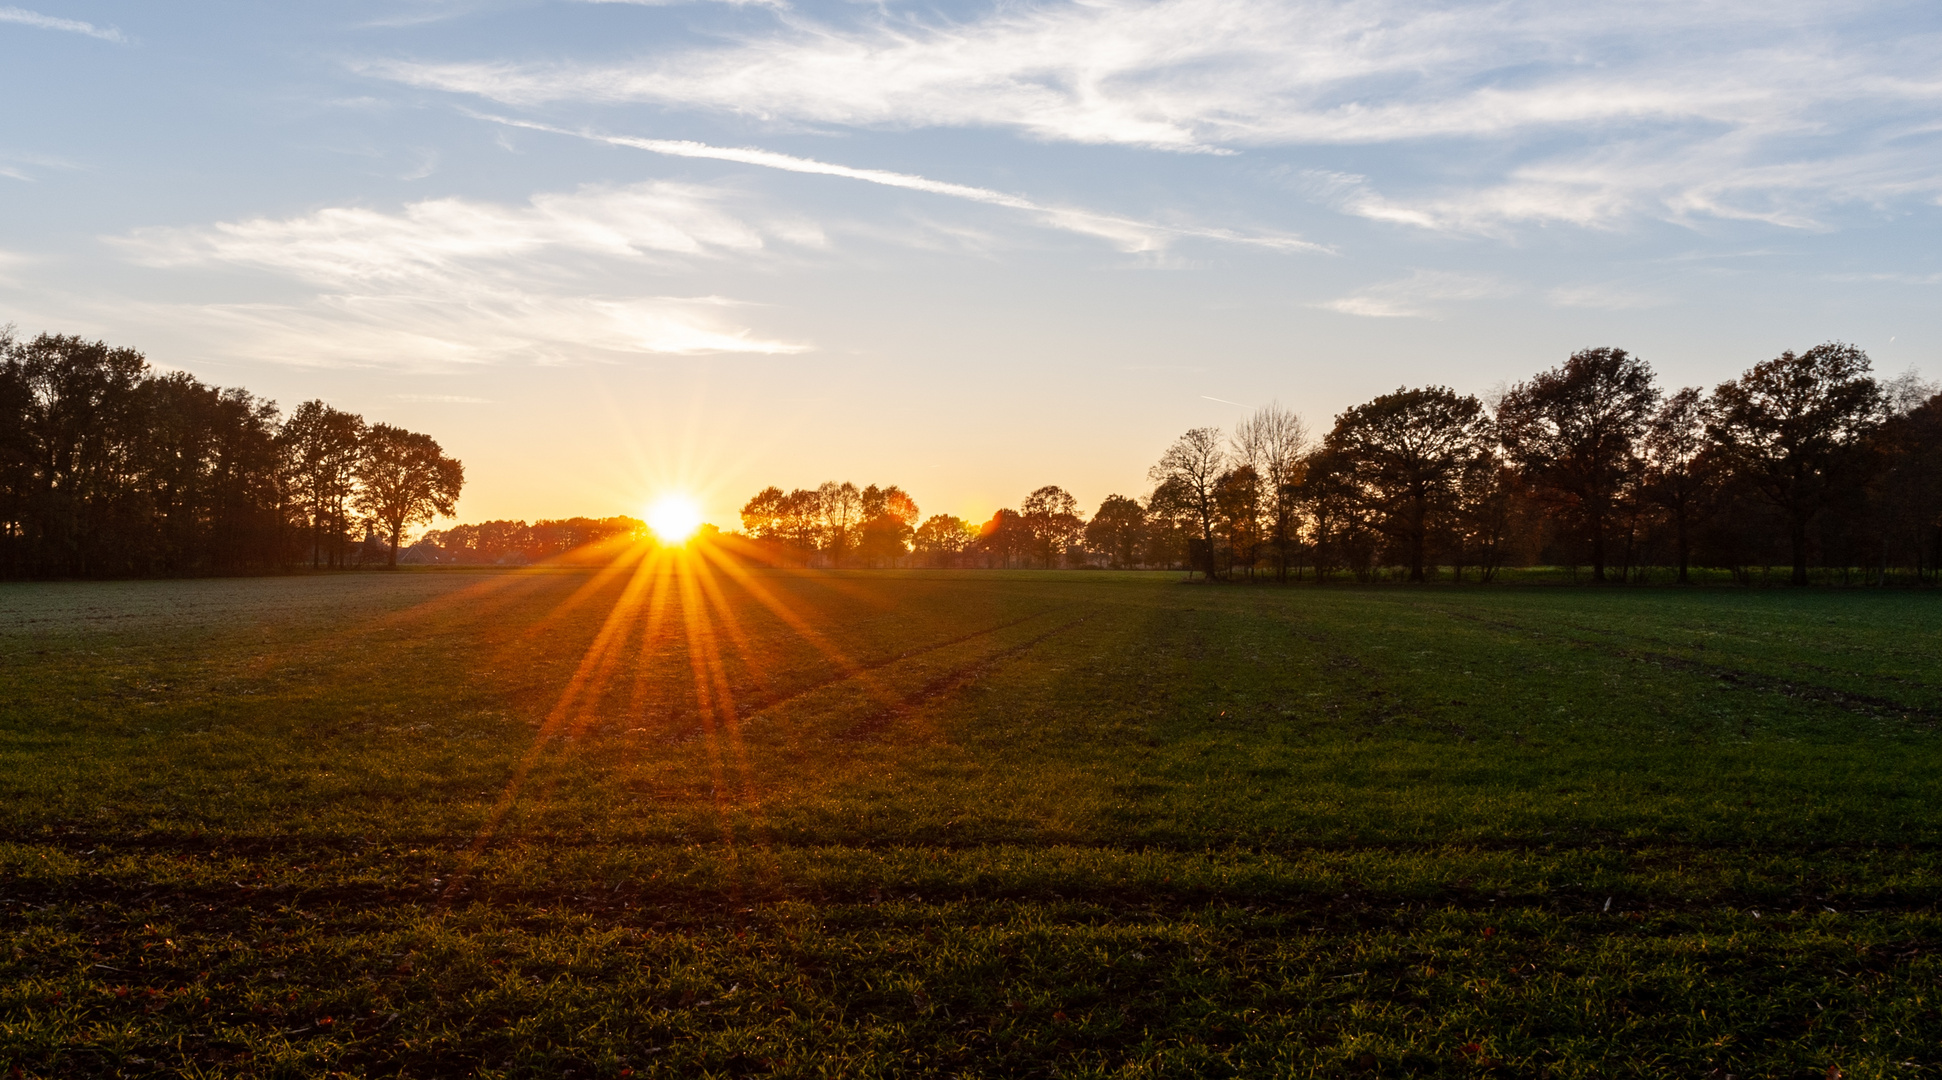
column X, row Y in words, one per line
column 667, row 820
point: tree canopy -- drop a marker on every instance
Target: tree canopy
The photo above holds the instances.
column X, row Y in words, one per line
column 110, row 468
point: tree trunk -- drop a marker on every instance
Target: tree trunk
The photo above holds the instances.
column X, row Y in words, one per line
column 1679, row 538
column 1799, row 538
column 396, row 528
column 1598, row 548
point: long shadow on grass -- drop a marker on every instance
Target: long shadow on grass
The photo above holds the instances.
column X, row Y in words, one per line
column 948, row 683
column 1860, row 704
column 852, row 672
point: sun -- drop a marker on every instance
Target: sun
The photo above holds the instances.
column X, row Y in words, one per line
column 674, row 518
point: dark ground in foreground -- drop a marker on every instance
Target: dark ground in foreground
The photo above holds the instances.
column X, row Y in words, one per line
column 686, row 820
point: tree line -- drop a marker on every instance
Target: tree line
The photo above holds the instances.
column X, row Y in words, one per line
column 1805, row 461
column 834, row 524
column 109, row 468
column 515, row 543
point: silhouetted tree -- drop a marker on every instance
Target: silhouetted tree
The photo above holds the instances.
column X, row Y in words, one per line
column 77, row 431
column 888, row 517
column 1239, row 511
column 1337, row 519
column 17, row 459
column 1795, row 429
column 1908, row 491
column 1051, row 515
column 1574, row 431
column 1190, row 470
column 1404, row 455
column 1876, row 530
column 762, row 515
column 800, row 523
column 891, row 500
column 404, row 478
column 1682, row 474
column 1173, row 530
column 1118, row 530
column 321, row 448
column 1272, row 441
column 1004, row 538
column 944, row 538
column 1492, row 515
column 842, row 510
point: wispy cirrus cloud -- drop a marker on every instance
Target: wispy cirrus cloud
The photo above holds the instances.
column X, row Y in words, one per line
column 10, row 263
column 448, row 281
column 1421, row 295
column 23, row 17
column 1604, row 296
column 1890, row 278
column 438, row 239
column 1574, row 112
column 673, row 3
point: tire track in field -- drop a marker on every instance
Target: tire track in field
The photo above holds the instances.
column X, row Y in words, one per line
column 853, row 672
column 226, row 908
column 946, row 684
column 1848, row 701
column 1358, row 691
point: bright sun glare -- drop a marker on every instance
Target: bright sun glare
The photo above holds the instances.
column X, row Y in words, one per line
column 674, row 518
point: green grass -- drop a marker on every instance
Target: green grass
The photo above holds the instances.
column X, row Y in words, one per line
column 966, row 824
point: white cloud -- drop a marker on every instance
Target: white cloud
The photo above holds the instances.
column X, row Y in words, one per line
column 1418, row 295
column 11, row 261
column 1594, row 113
column 427, row 165
column 49, row 22
column 438, row 239
column 420, row 331
column 1604, row 297
column 1897, row 279
column 672, row 3
column 448, row 281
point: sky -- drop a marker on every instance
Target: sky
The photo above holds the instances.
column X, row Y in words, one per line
column 605, row 250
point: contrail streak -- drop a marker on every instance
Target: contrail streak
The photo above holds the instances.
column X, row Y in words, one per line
column 1128, row 233
column 49, row 22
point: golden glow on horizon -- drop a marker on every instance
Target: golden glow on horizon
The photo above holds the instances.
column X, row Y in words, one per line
column 674, row 518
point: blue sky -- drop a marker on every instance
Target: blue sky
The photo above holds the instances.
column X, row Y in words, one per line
column 603, row 249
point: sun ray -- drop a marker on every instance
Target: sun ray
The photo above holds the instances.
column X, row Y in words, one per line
column 747, row 804
column 715, row 702
column 663, row 582
column 653, row 631
column 724, row 613
column 627, row 558
column 710, row 592
column 500, row 589
column 596, row 663
column 847, row 667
